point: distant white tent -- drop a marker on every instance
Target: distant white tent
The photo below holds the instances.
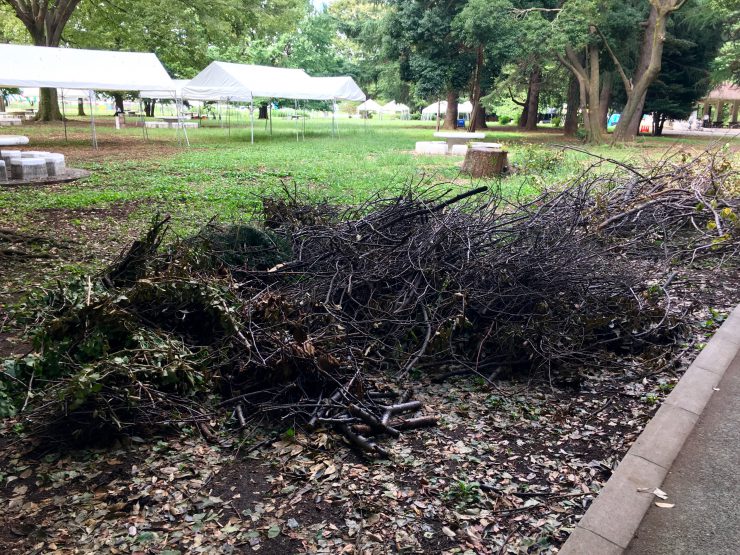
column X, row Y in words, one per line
column 430, row 112
column 395, row 108
column 370, row 106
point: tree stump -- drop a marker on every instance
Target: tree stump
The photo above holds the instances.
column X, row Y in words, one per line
column 485, row 162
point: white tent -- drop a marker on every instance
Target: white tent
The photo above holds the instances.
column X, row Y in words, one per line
column 430, row 111
column 369, row 106
column 173, row 92
column 329, row 88
column 243, row 83
column 73, row 68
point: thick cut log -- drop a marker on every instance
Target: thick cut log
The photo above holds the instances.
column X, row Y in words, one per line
column 485, row 162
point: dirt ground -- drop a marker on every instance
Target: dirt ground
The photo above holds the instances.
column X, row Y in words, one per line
column 509, row 469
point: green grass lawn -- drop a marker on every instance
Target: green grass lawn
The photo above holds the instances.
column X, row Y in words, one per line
column 223, row 175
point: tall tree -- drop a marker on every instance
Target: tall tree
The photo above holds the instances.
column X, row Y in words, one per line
column 45, row 21
column 488, row 29
column 648, row 68
column 420, row 35
column 692, row 42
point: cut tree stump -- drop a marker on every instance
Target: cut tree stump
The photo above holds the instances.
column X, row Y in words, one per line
column 485, row 162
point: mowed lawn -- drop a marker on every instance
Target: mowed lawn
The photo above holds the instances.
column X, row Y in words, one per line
column 223, row 175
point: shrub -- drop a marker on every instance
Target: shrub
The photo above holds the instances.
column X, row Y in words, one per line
column 504, row 120
column 556, row 121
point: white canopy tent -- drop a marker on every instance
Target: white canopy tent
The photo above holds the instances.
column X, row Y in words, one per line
column 173, row 92
column 369, row 106
column 243, row 83
column 430, row 112
column 90, row 70
column 394, row 107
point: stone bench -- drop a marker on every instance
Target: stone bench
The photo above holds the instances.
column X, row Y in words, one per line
column 13, row 140
column 55, row 164
column 9, row 122
column 8, row 155
column 3, row 171
column 34, row 154
column 485, row 145
column 169, row 124
column 431, row 147
column 27, row 169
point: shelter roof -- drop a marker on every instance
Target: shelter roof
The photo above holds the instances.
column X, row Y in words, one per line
column 73, row 68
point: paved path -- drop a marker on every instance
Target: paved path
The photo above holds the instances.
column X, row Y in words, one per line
column 704, row 484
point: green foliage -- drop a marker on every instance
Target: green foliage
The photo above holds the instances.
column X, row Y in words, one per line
column 689, row 50
column 420, row 34
column 182, row 34
column 505, row 120
column 557, row 121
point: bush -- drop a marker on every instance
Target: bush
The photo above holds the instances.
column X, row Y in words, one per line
column 556, row 121
column 415, row 116
column 504, row 120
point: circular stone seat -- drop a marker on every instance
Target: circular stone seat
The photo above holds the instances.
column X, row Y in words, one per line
column 3, row 171
column 28, row 168
column 13, row 140
column 459, row 150
column 55, row 164
column 8, row 155
column 34, row 153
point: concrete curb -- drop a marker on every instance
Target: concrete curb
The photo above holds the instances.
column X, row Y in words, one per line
column 613, row 518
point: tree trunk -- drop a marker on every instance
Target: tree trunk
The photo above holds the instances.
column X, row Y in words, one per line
column 485, row 162
column 533, row 99
column 45, row 22
column 80, row 106
column 149, row 105
column 262, row 111
column 451, row 113
column 48, row 106
column 605, row 98
column 118, row 100
column 525, row 109
column 571, row 117
column 594, row 110
column 2, row 103
column 478, row 117
column 651, row 55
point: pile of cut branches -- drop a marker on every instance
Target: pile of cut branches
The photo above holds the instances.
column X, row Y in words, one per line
column 326, row 316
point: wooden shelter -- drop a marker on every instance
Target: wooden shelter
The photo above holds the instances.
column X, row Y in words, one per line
column 714, row 104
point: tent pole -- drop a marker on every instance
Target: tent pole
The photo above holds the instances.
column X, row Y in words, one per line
column 92, row 122
column 335, row 110
column 228, row 116
column 270, row 118
column 251, row 119
column 142, row 120
column 333, row 115
column 64, row 119
column 296, row 119
column 178, row 106
column 438, row 107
